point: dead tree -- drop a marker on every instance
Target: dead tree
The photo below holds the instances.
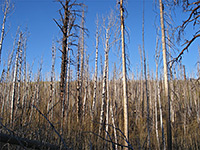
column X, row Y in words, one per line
column 103, row 102
column 13, row 94
column 80, row 70
column 25, row 89
column 194, row 18
column 166, row 86
column 126, row 125
column 96, row 69
column 7, row 8
column 82, row 48
column 107, row 29
column 113, row 100
column 6, row 95
column 68, row 13
column 86, row 87
column 78, row 92
column 52, row 86
column 64, row 28
column 146, row 81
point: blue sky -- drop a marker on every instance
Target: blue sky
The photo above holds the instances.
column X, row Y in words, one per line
column 37, row 16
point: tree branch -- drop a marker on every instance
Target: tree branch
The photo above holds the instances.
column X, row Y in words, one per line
column 186, row 47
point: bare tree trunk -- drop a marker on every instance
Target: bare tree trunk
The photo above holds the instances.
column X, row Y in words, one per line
column 161, row 117
column 103, row 104
column 13, row 94
column 52, row 88
column 19, row 78
column 146, row 82
column 105, row 72
column 197, row 93
column 126, row 129
column 141, row 86
column 96, row 69
column 80, row 82
column 6, row 89
column 24, row 99
column 8, row 75
column 166, row 91
column 185, row 103
column 158, row 97
column 107, row 104
column 156, row 94
column 171, row 83
column 64, row 28
column 86, row 87
column 82, row 51
column 68, row 82
column 78, row 92
column 6, row 10
column 64, row 53
column 36, row 99
column 111, row 107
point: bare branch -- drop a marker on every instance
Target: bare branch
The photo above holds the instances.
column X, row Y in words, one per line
column 188, row 20
column 186, row 47
column 51, row 126
column 59, row 26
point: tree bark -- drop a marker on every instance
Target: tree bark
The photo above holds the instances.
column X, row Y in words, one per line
column 6, row 11
column 64, row 60
column 166, row 89
column 13, row 98
column 96, row 70
column 125, row 104
column 103, row 102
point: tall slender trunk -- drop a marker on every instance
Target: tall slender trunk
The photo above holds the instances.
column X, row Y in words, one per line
column 96, row 71
column 111, row 107
column 82, row 51
column 7, row 7
column 107, row 104
column 13, row 94
column 19, row 77
column 166, row 89
column 126, row 126
column 146, row 82
column 52, row 88
column 185, row 103
column 86, row 87
column 6, row 89
column 78, row 93
column 156, row 94
column 103, row 102
column 64, row 61
column 141, row 85
column 161, row 116
column 25, row 89
column 68, row 83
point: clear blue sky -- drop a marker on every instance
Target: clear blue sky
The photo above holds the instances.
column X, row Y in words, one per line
column 38, row 16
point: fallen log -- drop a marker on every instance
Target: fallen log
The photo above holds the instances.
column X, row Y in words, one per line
column 26, row 143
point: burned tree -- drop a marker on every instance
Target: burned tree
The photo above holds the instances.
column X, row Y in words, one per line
column 15, row 78
column 125, row 97
column 7, row 8
column 80, row 69
column 166, row 82
column 193, row 18
column 67, row 24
